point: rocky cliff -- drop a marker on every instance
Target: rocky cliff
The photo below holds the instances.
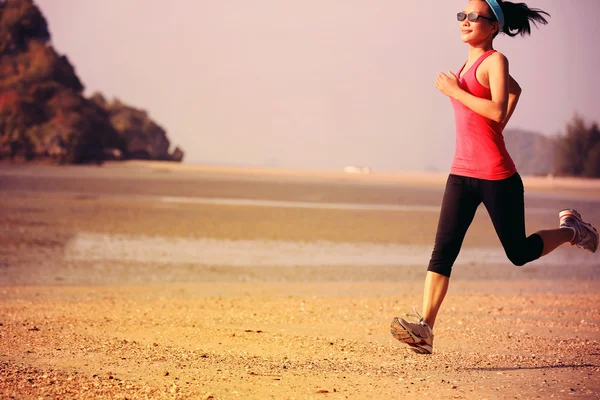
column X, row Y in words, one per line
column 44, row 115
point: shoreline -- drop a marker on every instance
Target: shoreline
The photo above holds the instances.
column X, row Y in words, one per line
column 437, row 179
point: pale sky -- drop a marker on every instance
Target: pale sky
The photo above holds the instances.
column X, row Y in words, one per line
column 317, row 83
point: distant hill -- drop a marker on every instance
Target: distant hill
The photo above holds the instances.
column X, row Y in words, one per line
column 532, row 152
column 44, row 115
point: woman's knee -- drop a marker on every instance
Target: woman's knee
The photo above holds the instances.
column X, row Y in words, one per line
column 440, row 268
column 518, row 256
column 518, row 261
column 526, row 251
column 443, row 258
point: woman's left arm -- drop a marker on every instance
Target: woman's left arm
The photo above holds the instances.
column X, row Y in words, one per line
column 514, row 92
column 495, row 109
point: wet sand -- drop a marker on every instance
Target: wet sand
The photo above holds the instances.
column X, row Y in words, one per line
column 109, row 290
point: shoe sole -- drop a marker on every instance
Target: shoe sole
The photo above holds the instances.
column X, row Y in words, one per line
column 405, row 336
column 577, row 216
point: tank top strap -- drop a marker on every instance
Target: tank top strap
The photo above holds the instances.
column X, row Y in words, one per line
column 481, row 59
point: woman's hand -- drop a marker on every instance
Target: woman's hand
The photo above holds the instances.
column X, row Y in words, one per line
column 448, row 85
column 496, row 68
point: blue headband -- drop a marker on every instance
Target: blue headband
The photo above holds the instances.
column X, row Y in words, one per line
column 495, row 6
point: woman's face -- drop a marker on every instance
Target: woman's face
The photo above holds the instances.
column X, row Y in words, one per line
column 481, row 30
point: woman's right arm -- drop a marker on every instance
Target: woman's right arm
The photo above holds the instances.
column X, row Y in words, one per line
column 514, row 92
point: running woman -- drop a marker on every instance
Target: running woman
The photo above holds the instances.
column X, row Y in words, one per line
column 484, row 97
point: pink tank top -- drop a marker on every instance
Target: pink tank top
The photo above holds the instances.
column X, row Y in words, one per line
column 480, row 149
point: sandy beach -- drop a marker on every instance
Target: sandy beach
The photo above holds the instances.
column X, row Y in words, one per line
column 157, row 280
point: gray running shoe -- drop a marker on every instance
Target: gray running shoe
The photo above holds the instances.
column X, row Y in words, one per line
column 417, row 335
column 586, row 236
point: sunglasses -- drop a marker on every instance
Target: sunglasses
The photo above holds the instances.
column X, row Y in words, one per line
column 472, row 17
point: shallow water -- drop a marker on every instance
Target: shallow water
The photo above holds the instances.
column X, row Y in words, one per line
column 319, row 205
column 120, row 226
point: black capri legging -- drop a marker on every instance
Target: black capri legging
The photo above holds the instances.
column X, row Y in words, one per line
column 505, row 203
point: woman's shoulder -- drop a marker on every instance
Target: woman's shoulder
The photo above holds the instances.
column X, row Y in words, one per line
column 495, row 61
column 497, row 58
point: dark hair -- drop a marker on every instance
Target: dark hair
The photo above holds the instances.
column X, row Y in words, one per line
column 518, row 18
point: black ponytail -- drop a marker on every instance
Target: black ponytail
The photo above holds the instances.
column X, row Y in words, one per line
column 518, row 18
